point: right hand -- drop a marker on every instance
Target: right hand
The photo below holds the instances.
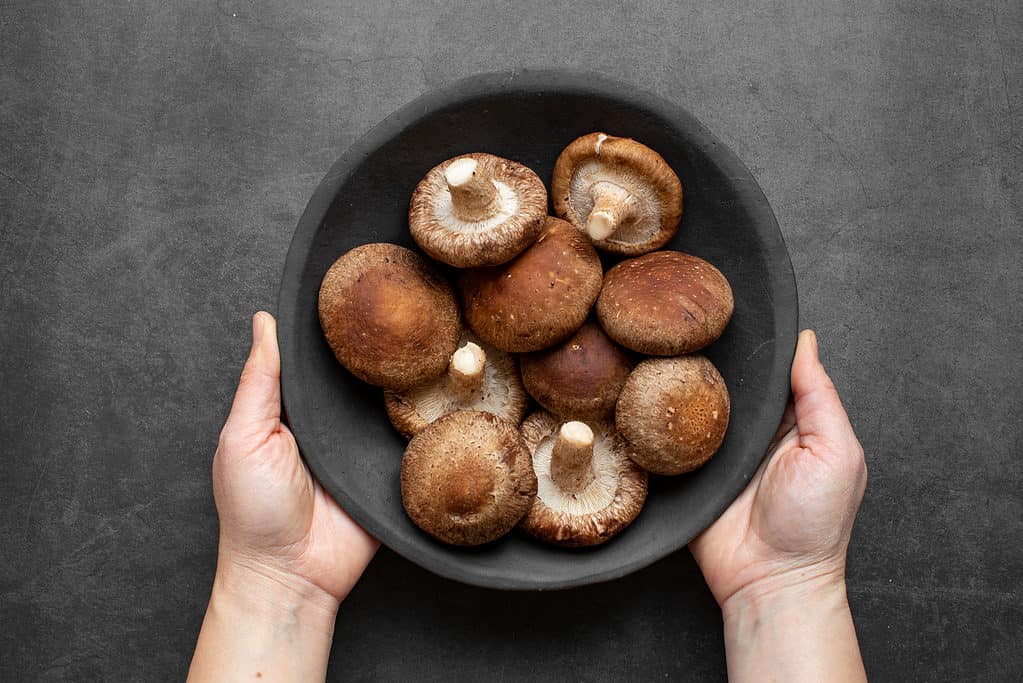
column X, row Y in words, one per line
column 791, row 525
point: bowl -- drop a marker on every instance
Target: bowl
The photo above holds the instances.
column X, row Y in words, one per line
column 529, row 116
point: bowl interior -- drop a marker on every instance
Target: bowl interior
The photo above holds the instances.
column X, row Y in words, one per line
column 340, row 422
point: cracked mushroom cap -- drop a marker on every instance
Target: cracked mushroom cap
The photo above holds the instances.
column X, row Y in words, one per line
column 579, row 379
column 588, row 488
column 665, row 304
column 389, row 318
column 620, row 192
column 674, row 413
column 467, row 478
column 540, row 297
column 479, row 377
column 477, row 210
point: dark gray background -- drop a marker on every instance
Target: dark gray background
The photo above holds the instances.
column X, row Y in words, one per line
column 154, row 160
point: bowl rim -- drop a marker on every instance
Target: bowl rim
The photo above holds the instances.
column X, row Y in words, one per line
column 534, row 81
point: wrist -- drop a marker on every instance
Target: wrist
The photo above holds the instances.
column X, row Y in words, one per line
column 263, row 591
column 263, row 623
column 794, row 626
column 805, row 588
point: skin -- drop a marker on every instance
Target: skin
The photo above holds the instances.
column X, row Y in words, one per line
column 288, row 555
column 775, row 560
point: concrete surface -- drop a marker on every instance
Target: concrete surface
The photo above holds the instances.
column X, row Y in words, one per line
column 155, row 157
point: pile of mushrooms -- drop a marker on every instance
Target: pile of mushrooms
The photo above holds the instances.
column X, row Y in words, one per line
column 608, row 357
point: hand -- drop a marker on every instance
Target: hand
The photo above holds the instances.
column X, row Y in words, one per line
column 274, row 517
column 288, row 554
column 794, row 519
column 782, row 544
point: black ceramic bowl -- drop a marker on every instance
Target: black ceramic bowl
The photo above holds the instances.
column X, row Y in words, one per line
column 530, row 116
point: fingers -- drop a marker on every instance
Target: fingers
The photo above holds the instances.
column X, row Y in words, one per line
column 788, row 421
column 818, row 409
column 786, row 433
column 364, row 545
column 256, row 411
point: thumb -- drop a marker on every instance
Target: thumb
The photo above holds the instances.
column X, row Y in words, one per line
column 818, row 409
column 256, row 411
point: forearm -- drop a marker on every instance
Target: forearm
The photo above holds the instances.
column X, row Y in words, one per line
column 797, row 632
column 263, row 625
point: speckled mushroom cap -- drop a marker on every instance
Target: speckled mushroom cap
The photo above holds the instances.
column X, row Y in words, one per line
column 477, row 210
column 467, row 478
column 674, row 413
column 580, row 378
column 499, row 391
column 540, row 297
column 665, row 303
column 619, row 191
column 594, row 514
column 389, row 318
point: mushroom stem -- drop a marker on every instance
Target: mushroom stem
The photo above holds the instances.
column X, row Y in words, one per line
column 465, row 372
column 572, row 457
column 474, row 196
column 612, row 206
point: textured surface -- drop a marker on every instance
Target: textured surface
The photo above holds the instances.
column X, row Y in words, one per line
column 154, row 159
column 389, row 317
column 665, row 303
column 519, row 306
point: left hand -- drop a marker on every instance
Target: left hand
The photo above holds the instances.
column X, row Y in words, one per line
column 275, row 519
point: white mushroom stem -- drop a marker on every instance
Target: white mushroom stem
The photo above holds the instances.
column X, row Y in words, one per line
column 612, row 206
column 465, row 372
column 474, row 197
column 572, row 457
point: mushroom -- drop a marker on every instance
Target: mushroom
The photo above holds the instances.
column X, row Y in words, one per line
column 389, row 318
column 620, row 192
column 580, row 378
column 467, row 478
column 665, row 303
column 588, row 488
column 538, row 299
column 478, row 378
column 674, row 413
column 477, row 210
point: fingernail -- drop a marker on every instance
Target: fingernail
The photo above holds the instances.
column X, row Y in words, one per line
column 809, row 338
column 258, row 327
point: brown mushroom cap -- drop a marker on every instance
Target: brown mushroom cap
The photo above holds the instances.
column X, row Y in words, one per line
column 477, row 210
column 580, row 378
column 492, row 386
column 605, row 505
column 390, row 319
column 674, row 413
column 467, row 479
column 620, row 192
column 665, row 303
column 538, row 299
